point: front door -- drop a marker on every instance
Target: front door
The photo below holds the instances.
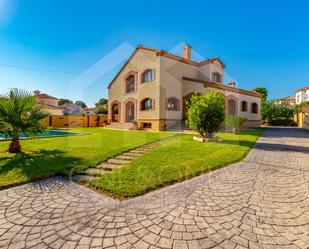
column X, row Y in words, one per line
column 130, row 112
column 115, row 113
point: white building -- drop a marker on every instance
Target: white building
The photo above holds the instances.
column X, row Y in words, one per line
column 302, row 95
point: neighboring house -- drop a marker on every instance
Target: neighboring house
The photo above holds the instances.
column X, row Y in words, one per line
column 302, row 95
column 289, row 100
column 71, row 109
column 89, row 111
column 153, row 86
column 50, row 103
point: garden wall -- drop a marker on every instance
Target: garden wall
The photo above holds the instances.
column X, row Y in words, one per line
column 303, row 118
column 59, row 121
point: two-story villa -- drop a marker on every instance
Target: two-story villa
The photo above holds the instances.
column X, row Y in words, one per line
column 153, row 86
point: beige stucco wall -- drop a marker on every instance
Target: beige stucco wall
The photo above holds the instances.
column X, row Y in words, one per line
column 171, row 84
column 54, row 111
column 51, row 102
column 189, row 87
column 141, row 61
column 168, row 82
column 250, row 100
column 206, row 71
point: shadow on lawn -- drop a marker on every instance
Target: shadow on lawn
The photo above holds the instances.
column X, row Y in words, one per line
column 244, row 143
column 40, row 164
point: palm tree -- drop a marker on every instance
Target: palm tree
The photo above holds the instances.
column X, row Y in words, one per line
column 20, row 113
column 235, row 122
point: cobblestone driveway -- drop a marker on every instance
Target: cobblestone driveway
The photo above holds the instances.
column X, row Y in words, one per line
column 261, row 202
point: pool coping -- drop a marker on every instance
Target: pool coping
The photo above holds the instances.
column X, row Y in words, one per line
column 72, row 134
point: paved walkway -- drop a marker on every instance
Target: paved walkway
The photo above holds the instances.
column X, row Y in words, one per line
column 262, row 202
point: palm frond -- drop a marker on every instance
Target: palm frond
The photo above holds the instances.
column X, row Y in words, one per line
column 20, row 113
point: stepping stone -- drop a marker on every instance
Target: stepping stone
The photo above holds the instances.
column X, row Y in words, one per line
column 139, row 151
column 150, row 147
column 124, row 157
column 133, row 155
column 117, row 161
column 109, row 166
column 84, row 178
column 94, row 171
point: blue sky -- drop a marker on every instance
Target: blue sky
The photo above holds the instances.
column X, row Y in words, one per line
column 72, row 48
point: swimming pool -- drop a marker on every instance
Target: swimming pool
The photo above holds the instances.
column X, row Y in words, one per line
column 50, row 133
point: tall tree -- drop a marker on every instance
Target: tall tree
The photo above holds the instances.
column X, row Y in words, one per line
column 80, row 103
column 279, row 113
column 263, row 91
column 101, row 110
column 20, row 113
column 102, row 101
column 65, row 101
column 264, row 102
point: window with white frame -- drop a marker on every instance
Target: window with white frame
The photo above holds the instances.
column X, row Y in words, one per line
column 172, row 104
column 216, row 77
column 147, row 104
column 148, row 75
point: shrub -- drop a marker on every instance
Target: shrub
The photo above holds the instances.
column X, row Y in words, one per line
column 235, row 122
column 206, row 113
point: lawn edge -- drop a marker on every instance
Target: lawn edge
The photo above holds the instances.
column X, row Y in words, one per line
column 117, row 196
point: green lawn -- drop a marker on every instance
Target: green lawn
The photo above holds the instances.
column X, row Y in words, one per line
column 176, row 161
column 58, row 156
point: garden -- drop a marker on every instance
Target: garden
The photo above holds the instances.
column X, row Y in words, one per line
column 23, row 161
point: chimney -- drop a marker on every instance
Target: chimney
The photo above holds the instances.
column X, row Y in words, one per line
column 187, row 52
column 232, row 84
column 36, row 92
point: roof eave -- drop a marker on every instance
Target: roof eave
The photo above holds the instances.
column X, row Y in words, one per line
column 224, row 87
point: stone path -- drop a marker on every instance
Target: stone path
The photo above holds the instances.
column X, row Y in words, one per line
column 262, row 202
column 118, row 161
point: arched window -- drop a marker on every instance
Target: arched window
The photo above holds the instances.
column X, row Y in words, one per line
column 148, row 75
column 130, row 84
column 231, row 107
column 130, row 111
column 254, row 108
column 216, row 77
column 172, row 104
column 147, row 104
column 244, row 106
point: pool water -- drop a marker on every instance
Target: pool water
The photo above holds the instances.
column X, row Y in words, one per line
column 50, row 133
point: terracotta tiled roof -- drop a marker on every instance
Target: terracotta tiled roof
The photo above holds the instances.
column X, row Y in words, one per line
column 164, row 53
column 224, row 87
column 302, row 89
column 44, row 96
